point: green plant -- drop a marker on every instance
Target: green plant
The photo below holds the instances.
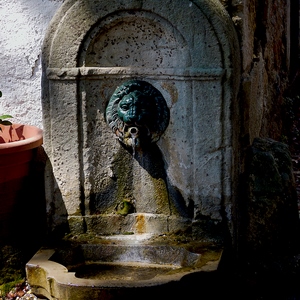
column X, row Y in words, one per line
column 12, row 271
column 7, row 287
column 3, row 118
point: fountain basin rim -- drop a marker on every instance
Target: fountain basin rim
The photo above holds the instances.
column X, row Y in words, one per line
column 55, row 273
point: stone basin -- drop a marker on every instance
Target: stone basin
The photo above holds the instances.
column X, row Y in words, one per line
column 114, row 268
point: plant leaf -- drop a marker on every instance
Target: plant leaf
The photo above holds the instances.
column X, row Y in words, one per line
column 5, row 117
column 6, row 123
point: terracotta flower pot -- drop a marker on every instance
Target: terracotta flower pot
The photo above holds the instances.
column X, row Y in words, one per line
column 16, row 144
column 17, row 150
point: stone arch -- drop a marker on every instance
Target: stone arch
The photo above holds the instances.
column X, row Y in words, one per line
column 134, row 39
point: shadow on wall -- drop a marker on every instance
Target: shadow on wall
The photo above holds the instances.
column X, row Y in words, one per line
column 56, row 218
column 170, row 200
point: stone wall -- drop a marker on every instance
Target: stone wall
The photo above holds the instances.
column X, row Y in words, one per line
column 269, row 39
column 269, row 45
column 23, row 26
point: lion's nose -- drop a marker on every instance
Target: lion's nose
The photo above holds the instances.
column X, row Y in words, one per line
column 132, row 117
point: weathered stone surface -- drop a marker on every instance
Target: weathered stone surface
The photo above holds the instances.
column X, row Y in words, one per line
column 264, row 32
column 270, row 209
column 131, row 270
column 91, row 48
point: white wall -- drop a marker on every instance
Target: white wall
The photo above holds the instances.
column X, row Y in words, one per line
column 23, row 24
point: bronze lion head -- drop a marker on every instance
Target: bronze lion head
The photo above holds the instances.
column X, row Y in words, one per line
column 137, row 113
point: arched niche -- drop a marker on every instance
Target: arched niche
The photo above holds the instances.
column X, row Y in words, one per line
column 188, row 50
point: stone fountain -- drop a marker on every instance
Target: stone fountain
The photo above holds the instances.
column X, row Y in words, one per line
column 139, row 102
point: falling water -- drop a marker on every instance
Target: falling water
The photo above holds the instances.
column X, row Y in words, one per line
column 133, row 145
column 134, row 134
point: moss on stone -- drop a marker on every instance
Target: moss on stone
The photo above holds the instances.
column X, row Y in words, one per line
column 12, row 268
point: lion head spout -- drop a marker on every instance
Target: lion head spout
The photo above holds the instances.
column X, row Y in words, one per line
column 137, row 113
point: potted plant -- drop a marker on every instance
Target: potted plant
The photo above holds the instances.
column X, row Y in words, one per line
column 18, row 149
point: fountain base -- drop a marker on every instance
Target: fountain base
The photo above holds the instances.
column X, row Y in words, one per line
column 117, row 266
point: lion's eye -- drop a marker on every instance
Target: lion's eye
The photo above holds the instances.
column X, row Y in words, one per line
column 124, row 106
column 126, row 103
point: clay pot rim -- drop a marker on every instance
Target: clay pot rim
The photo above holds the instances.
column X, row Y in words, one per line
column 33, row 139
